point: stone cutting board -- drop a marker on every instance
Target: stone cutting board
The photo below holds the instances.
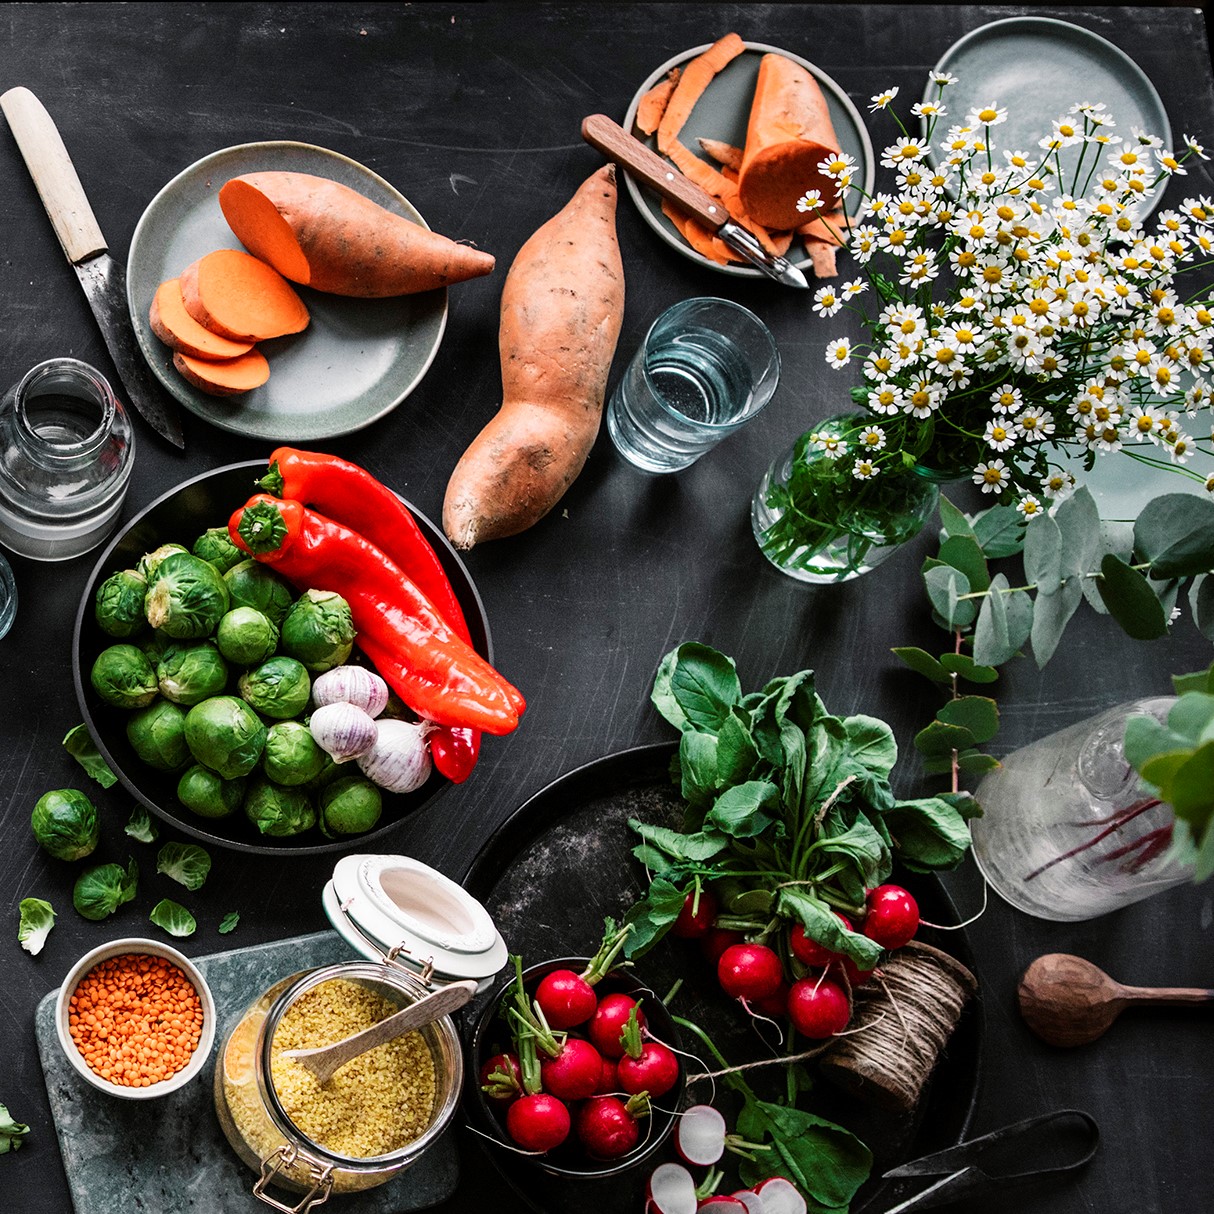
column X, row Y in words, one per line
column 169, row 1156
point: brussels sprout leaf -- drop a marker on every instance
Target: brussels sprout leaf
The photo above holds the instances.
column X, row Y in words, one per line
column 78, row 743
column 173, row 917
column 37, row 919
column 186, row 863
column 141, row 826
column 11, row 1132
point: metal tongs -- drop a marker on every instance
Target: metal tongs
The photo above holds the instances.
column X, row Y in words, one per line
column 1061, row 1142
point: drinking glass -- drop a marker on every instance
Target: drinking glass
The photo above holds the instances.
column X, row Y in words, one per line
column 706, row 367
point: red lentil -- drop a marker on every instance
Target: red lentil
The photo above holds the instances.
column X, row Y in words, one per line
column 136, row 1019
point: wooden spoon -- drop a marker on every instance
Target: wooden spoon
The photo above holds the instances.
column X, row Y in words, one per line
column 1068, row 1001
column 324, row 1060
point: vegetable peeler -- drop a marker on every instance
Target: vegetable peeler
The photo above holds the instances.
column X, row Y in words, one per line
column 1061, row 1141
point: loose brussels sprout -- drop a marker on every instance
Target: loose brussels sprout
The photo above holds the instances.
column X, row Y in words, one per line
column 65, row 822
column 291, row 755
column 226, row 735
column 252, row 584
column 150, row 561
column 246, row 636
column 350, row 805
column 118, row 604
column 318, row 630
column 186, row 597
column 216, row 548
column 278, row 811
column 100, row 891
column 157, row 735
column 123, row 676
column 209, row 795
column 278, row 688
column 189, row 672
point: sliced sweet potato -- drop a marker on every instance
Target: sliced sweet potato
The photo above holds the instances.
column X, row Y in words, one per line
column 652, row 106
column 224, row 376
column 239, row 297
column 174, row 326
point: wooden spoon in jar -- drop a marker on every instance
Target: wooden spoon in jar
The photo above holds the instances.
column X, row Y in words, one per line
column 1068, row 1001
column 324, row 1060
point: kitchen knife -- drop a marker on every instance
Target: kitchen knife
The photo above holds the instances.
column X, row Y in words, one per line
column 102, row 278
column 660, row 175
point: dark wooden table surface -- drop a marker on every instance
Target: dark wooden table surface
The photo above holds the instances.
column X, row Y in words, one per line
column 473, row 112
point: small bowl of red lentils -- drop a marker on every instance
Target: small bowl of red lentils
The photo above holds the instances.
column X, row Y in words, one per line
column 136, row 1018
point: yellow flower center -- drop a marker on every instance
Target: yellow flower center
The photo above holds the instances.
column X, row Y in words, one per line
column 992, row 274
column 992, row 476
column 989, row 114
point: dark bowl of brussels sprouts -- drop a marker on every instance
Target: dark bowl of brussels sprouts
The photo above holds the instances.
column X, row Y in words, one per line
column 195, row 670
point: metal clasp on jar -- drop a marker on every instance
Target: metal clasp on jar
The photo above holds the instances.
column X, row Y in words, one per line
column 286, row 1157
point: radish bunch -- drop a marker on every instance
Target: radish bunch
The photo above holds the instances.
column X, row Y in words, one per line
column 583, row 1069
column 700, row 1140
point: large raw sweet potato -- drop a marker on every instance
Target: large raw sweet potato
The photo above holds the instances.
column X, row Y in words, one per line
column 324, row 235
column 562, row 305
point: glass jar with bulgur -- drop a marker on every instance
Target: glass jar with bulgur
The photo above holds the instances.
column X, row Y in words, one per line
column 371, row 1120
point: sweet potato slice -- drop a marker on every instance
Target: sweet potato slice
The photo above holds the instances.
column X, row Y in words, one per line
column 788, row 135
column 239, row 297
column 226, row 376
column 325, row 235
column 174, row 326
column 652, row 106
column 725, row 154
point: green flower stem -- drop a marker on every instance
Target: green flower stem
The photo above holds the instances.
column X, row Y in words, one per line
column 733, row 1078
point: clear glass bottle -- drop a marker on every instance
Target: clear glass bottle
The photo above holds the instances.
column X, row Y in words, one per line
column 1068, row 829
column 66, row 449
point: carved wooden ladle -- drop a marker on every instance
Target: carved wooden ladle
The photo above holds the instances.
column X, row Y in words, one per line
column 1068, row 1001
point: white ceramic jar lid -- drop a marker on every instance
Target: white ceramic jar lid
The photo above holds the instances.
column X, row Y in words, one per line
column 381, row 904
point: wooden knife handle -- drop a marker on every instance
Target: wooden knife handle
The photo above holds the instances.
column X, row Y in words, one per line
column 651, row 170
column 54, row 175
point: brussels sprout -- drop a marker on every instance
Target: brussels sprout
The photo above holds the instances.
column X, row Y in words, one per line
column 318, row 630
column 150, row 561
column 100, row 891
column 246, row 636
column 226, row 735
column 154, row 645
column 209, row 795
column 157, row 735
column 189, row 672
column 278, row 811
column 291, row 755
column 118, row 604
column 65, row 822
column 123, row 676
column 252, row 584
column 186, row 597
column 216, row 548
column 350, row 805
column 278, row 688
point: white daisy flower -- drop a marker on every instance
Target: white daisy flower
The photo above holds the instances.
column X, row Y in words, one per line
column 839, row 352
column 1030, row 507
column 872, row 439
column 998, row 436
column 1058, row 485
column 993, row 476
column 809, row 202
column 864, row 470
column 881, row 100
column 827, row 301
column 987, row 115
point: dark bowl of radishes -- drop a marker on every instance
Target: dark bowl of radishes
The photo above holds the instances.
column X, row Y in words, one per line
column 575, row 1071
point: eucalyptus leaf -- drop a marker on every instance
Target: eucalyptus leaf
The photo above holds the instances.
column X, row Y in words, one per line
column 1051, row 614
column 967, row 668
column 945, row 587
column 963, row 553
column 1201, row 603
column 978, row 714
column 975, row 763
column 992, row 646
column 940, row 738
column 1130, row 600
column 953, row 519
column 1199, row 680
column 1175, row 534
column 1116, row 537
column 1146, row 737
column 1078, row 520
column 1192, row 789
column 1000, row 531
column 1192, row 716
column 922, row 662
column 1043, row 555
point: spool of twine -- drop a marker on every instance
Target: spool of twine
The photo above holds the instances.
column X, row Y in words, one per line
column 901, row 1022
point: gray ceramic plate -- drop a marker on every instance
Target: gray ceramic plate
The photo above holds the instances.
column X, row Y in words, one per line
column 721, row 113
column 357, row 359
column 1038, row 67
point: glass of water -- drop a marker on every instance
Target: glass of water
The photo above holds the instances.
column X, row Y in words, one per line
column 705, row 368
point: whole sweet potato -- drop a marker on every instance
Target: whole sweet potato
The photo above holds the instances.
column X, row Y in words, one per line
column 561, row 310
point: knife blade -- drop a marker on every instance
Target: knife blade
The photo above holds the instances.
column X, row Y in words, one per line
column 661, row 176
column 101, row 277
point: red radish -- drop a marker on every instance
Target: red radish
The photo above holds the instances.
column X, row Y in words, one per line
column 695, row 919
column 699, row 1136
column 606, row 1128
column 749, row 971
column 607, row 1023
column 723, row 1204
column 818, row 1007
column 807, row 950
column 538, row 1122
column 656, row 1071
column 671, row 1190
column 893, row 916
column 501, row 1078
column 780, row 1196
column 608, row 1079
column 717, row 941
column 855, row 975
column 574, row 1073
column 566, row 999
column 774, row 1006
column 751, row 1200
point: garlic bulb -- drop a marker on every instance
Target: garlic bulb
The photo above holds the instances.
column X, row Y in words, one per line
column 351, row 685
column 400, row 759
column 343, row 731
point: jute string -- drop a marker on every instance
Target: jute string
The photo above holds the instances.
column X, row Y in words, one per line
column 901, row 1023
